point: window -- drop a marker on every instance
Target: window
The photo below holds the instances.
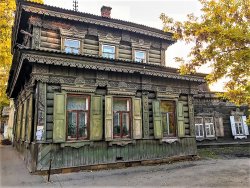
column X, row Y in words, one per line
column 121, row 115
column 209, row 127
column 238, row 125
column 204, row 127
column 168, row 118
column 71, row 46
column 108, row 51
column 77, row 117
column 199, row 130
column 140, row 56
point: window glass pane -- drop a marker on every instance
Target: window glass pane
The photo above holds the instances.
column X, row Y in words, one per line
column 139, row 54
column 76, row 103
column 107, row 55
column 167, row 106
column 165, row 123
column 82, row 124
column 108, row 49
column 125, row 124
column 120, row 105
column 67, row 50
column 75, row 51
column 201, row 130
column 72, row 43
column 117, row 124
column 171, row 124
column 72, row 124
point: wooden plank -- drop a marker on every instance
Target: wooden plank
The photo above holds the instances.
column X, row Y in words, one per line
column 89, row 41
column 50, row 34
column 50, row 45
column 49, row 110
column 90, row 52
column 50, row 40
column 158, row 52
column 91, row 47
column 125, row 56
column 125, row 51
column 154, row 60
column 154, row 56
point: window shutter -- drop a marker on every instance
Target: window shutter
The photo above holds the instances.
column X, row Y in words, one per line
column 30, row 118
column 218, row 121
column 59, row 126
column 244, row 120
column 137, row 120
column 180, row 120
column 233, row 125
column 24, row 120
column 108, row 118
column 19, row 119
column 157, row 119
column 96, row 129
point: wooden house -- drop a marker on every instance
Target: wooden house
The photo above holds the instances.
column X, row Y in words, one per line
column 91, row 90
column 218, row 120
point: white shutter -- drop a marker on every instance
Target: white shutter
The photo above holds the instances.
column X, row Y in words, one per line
column 244, row 120
column 233, row 125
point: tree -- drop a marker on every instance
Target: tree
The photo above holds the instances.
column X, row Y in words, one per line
column 221, row 38
column 7, row 8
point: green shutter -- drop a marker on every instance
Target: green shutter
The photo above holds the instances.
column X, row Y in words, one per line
column 24, row 121
column 19, row 119
column 96, row 129
column 59, row 126
column 30, row 107
column 108, row 118
column 180, row 119
column 137, row 120
column 157, row 119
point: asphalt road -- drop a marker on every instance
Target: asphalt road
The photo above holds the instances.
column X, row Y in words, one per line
column 233, row 172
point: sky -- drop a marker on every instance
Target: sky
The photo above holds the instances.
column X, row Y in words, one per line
column 146, row 12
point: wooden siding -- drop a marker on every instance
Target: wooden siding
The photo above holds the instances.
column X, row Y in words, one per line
column 125, row 52
column 155, row 56
column 101, row 153
column 91, row 46
column 50, row 39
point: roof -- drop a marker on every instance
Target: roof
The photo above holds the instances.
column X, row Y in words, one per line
column 62, row 13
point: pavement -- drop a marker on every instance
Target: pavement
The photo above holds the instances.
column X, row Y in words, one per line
column 234, row 172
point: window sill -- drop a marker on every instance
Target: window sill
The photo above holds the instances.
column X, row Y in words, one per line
column 170, row 140
column 240, row 136
column 122, row 142
column 76, row 144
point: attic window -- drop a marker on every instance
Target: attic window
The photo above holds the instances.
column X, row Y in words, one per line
column 140, row 56
column 71, row 46
column 108, row 51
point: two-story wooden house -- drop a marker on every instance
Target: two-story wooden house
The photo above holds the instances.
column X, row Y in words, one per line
column 92, row 90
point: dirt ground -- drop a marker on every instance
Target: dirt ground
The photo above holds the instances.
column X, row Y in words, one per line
column 213, row 170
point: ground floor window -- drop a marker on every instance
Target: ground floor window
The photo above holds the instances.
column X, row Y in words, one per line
column 239, row 126
column 168, row 118
column 204, row 127
column 77, row 117
column 121, row 117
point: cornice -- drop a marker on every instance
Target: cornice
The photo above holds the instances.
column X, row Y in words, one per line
column 106, row 67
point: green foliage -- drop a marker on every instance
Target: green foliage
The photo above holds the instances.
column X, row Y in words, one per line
column 221, row 38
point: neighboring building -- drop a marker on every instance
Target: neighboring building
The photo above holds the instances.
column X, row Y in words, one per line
column 4, row 115
column 218, row 120
column 93, row 90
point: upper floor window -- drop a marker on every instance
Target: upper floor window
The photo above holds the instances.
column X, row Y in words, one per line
column 108, row 51
column 121, row 113
column 140, row 56
column 77, row 117
column 71, row 46
column 168, row 118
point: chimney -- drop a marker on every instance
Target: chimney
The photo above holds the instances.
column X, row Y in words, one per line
column 106, row 11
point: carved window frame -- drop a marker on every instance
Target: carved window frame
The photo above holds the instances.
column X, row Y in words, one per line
column 200, row 127
column 108, row 45
column 72, row 39
column 145, row 55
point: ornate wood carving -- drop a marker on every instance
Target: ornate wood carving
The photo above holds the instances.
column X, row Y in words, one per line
column 98, row 21
column 191, row 115
column 36, row 37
